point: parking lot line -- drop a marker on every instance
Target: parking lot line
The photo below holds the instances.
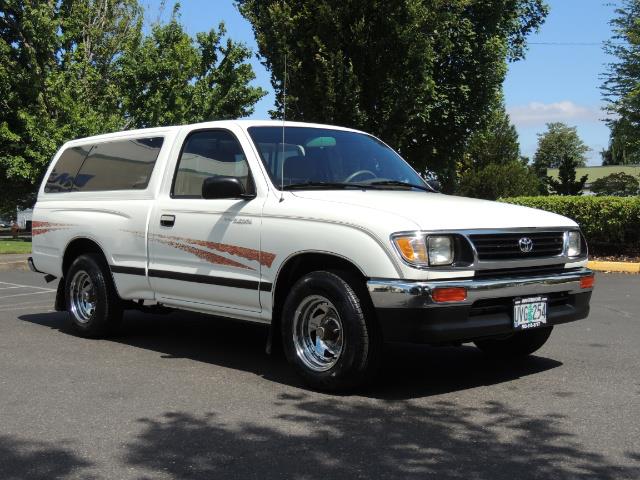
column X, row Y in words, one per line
column 9, row 288
column 27, row 286
column 22, row 304
column 25, row 294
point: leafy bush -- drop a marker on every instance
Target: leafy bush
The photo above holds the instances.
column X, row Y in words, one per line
column 611, row 224
column 617, row 184
column 499, row 180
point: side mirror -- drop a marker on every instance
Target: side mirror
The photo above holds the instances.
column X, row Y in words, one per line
column 434, row 184
column 222, row 187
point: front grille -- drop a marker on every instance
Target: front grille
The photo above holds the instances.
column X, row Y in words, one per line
column 506, row 246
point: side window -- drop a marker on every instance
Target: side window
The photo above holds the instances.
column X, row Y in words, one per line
column 64, row 172
column 209, row 154
column 119, row 165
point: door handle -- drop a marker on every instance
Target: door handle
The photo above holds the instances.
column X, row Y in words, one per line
column 167, row 220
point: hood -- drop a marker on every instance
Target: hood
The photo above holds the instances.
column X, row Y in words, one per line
column 435, row 211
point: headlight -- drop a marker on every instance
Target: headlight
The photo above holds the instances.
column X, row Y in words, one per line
column 424, row 251
column 440, row 250
column 574, row 244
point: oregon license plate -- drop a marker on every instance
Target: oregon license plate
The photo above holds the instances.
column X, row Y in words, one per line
column 529, row 312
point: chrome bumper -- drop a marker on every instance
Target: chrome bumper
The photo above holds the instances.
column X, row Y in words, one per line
column 417, row 294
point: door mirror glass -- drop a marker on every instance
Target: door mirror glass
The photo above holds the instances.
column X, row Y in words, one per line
column 222, row 187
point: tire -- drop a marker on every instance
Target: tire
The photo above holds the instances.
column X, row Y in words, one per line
column 95, row 310
column 519, row 344
column 336, row 306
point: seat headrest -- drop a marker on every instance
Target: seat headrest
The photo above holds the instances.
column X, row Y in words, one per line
column 298, row 169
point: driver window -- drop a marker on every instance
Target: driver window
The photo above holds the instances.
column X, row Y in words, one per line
column 212, row 153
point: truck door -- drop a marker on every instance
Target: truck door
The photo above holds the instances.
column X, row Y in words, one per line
column 206, row 252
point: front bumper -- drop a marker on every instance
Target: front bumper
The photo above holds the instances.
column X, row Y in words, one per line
column 407, row 312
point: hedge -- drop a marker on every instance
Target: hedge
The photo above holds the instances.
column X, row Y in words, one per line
column 611, row 224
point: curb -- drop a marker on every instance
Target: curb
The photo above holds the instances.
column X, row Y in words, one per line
column 623, row 267
column 20, row 265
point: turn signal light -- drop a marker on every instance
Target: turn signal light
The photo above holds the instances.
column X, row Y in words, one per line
column 449, row 294
column 588, row 282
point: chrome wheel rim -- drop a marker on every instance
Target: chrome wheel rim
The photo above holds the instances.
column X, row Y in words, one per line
column 317, row 333
column 83, row 296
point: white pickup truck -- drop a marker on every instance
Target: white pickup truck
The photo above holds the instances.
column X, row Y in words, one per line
column 323, row 233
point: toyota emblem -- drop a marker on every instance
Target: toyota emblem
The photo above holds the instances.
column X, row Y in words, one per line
column 526, row 244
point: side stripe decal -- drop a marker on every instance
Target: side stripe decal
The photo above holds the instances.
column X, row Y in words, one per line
column 127, row 270
column 195, row 278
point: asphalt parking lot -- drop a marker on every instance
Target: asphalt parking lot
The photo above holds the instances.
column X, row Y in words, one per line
column 186, row 396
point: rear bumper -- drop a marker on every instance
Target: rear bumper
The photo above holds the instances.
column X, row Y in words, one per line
column 407, row 312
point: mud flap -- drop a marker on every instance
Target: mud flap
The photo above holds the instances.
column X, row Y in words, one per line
column 60, row 305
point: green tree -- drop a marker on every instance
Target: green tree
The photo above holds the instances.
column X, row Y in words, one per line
column 168, row 78
column 420, row 74
column 74, row 68
column 621, row 149
column 499, row 180
column 56, row 65
column 567, row 183
column 559, row 145
column 621, row 86
column 617, row 185
column 496, row 143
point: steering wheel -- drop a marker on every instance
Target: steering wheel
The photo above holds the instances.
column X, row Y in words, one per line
column 358, row 173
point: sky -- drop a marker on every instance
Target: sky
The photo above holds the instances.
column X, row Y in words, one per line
column 558, row 81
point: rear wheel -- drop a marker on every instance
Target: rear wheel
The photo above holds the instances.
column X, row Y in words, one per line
column 329, row 333
column 92, row 302
column 517, row 345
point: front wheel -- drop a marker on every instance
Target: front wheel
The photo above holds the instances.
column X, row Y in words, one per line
column 517, row 345
column 329, row 333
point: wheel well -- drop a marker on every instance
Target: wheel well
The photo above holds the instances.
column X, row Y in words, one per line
column 78, row 247
column 298, row 266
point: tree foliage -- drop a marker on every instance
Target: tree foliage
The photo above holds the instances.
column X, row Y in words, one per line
column 499, row 180
column 177, row 80
column 492, row 166
column 496, row 142
column 56, row 64
column 616, row 185
column 73, row 68
column 420, row 74
column 566, row 184
column 621, row 86
column 559, row 145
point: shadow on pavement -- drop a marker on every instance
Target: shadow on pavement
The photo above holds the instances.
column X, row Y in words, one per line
column 409, row 371
column 21, row 459
column 333, row 439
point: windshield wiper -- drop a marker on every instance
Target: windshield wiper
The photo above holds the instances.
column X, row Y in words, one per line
column 397, row 183
column 302, row 186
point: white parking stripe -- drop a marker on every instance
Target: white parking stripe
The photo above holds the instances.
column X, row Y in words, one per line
column 29, row 286
column 22, row 304
column 25, row 294
column 9, row 288
column 36, row 306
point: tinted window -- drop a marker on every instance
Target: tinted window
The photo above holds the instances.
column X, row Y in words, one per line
column 209, row 154
column 119, row 165
column 326, row 155
column 65, row 169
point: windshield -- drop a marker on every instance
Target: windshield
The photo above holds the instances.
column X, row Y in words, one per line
column 326, row 158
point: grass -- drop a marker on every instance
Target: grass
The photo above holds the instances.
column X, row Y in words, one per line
column 15, row 245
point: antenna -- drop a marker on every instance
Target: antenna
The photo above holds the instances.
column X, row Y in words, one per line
column 284, row 117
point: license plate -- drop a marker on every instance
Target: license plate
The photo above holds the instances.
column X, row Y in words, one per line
column 530, row 312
